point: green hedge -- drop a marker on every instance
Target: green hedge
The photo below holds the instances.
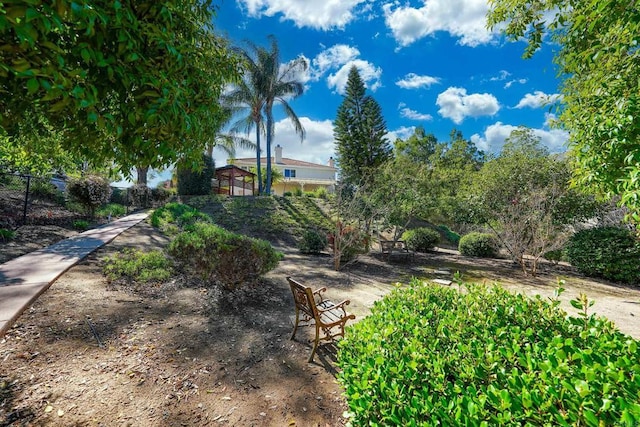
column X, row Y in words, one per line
column 429, row 355
column 608, row 252
column 220, row 256
column 421, row 239
column 313, row 242
column 483, row 245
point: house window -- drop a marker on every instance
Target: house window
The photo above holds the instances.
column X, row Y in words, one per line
column 289, row 173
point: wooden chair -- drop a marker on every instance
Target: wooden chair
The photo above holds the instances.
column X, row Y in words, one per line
column 326, row 315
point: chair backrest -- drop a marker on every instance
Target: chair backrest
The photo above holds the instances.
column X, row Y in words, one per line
column 303, row 297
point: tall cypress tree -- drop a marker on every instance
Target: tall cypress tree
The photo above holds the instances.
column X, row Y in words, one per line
column 359, row 132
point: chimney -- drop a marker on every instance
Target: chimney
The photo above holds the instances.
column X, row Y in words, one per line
column 278, row 154
column 331, row 163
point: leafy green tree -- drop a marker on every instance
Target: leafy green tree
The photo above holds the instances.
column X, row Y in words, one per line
column 133, row 82
column 419, row 147
column 266, row 82
column 359, row 131
column 599, row 62
column 36, row 148
column 523, row 195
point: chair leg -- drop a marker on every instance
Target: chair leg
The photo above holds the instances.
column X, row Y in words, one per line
column 295, row 326
column 315, row 343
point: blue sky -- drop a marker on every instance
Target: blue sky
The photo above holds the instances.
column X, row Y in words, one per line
column 429, row 63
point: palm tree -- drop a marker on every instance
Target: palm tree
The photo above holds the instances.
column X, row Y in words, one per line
column 247, row 95
column 265, row 82
column 227, row 142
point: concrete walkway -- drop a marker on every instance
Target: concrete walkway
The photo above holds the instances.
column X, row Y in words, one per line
column 23, row 279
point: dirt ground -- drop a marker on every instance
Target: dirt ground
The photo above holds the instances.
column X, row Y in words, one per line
column 89, row 353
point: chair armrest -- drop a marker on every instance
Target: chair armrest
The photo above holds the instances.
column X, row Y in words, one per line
column 317, row 291
column 341, row 305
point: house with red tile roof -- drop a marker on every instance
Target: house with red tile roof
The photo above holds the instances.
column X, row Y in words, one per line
column 297, row 174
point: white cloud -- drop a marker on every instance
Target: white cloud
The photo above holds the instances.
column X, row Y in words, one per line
column 464, row 19
column 413, row 115
column 369, row 73
column 321, row 15
column 402, row 132
column 317, row 147
column 538, row 99
column 456, row 105
column 501, row 76
column 495, row 135
column 414, row 81
column 339, row 59
column 510, row 83
column 332, row 58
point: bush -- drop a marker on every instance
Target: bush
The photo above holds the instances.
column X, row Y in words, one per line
column 298, row 192
column 169, row 214
column 119, row 196
column 421, row 239
column 137, row 266
column 430, row 355
column 6, row 235
column 351, row 243
column 139, row 196
column 608, row 252
column 80, row 224
column 43, row 189
column 287, row 194
column 312, row 242
column 112, row 209
column 555, row 256
column 321, row 193
column 160, row 195
column 450, row 235
column 91, row 191
column 482, row 245
column 192, row 183
column 217, row 255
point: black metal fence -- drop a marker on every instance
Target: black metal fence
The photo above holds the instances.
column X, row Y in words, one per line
column 25, row 199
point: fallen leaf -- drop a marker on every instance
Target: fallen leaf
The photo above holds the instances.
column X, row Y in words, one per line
column 48, row 408
column 60, row 412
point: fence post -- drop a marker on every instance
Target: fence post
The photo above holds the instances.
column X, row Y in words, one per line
column 26, row 201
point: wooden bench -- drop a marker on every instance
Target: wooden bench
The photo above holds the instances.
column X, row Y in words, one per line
column 311, row 306
column 391, row 248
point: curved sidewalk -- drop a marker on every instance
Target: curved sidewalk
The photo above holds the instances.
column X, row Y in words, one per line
column 23, row 279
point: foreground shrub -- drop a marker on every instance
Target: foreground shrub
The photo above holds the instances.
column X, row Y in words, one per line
column 219, row 256
column 91, row 191
column 421, row 239
column 137, row 266
column 608, row 252
column 313, row 242
column 429, row 355
column 482, row 245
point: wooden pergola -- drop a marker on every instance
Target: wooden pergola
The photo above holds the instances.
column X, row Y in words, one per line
column 235, row 181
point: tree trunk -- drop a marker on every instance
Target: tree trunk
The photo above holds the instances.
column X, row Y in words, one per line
column 269, row 136
column 143, row 172
column 258, row 166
